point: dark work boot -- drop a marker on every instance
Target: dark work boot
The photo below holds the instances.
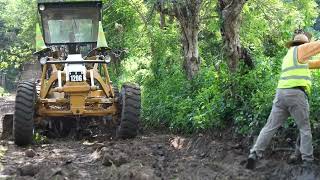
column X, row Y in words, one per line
column 252, row 158
column 294, row 158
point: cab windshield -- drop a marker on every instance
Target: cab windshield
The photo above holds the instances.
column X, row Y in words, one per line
column 70, row 25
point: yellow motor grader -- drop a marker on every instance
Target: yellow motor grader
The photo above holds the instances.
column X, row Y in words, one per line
column 74, row 82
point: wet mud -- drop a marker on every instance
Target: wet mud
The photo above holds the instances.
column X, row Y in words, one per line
column 147, row 157
column 150, row 156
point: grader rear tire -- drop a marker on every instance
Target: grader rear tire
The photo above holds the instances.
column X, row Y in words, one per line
column 23, row 115
column 130, row 105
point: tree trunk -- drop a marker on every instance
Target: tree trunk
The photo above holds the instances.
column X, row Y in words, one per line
column 230, row 14
column 162, row 15
column 188, row 15
column 190, row 48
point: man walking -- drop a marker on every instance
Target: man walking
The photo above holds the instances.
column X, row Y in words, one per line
column 291, row 98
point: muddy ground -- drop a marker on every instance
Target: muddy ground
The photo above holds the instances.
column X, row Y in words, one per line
column 149, row 156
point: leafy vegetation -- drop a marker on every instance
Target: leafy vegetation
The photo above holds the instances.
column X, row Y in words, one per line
column 3, row 92
column 17, row 34
column 40, row 139
column 148, row 36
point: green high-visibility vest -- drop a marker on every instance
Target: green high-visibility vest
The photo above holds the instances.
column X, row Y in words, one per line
column 294, row 73
column 101, row 42
column 40, row 45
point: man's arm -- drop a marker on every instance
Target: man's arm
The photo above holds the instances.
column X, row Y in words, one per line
column 307, row 50
column 314, row 64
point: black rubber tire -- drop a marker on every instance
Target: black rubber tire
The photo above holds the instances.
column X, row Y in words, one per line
column 23, row 124
column 130, row 107
column 116, row 92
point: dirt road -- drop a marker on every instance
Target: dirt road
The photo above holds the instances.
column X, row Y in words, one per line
column 149, row 156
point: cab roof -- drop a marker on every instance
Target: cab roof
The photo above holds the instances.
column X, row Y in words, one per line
column 66, row 1
column 70, row 3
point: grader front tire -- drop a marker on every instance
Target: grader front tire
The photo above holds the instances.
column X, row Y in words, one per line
column 23, row 115
column 130, row 104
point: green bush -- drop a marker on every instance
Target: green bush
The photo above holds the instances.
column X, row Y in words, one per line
column 255, row 91
column 3, row 92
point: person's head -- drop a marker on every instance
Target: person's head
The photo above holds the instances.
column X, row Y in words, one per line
column 298, row 39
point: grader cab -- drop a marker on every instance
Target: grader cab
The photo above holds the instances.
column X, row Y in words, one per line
column 74, row 83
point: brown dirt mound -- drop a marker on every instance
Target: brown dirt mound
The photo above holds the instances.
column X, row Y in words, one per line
column 98, row 155
column 152, row 156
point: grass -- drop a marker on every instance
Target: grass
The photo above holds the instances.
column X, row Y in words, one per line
column 3, row 92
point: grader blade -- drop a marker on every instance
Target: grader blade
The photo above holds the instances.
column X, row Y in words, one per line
column 7, row 124
column 6, row 117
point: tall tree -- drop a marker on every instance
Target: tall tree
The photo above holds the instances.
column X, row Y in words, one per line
column 230, row 14
column 187, row 13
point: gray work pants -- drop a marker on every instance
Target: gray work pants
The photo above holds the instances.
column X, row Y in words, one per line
column 287, row 102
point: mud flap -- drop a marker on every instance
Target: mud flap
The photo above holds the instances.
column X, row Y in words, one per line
column 7, row 126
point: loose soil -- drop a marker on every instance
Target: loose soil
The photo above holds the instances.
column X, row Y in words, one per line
column 148, row 156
